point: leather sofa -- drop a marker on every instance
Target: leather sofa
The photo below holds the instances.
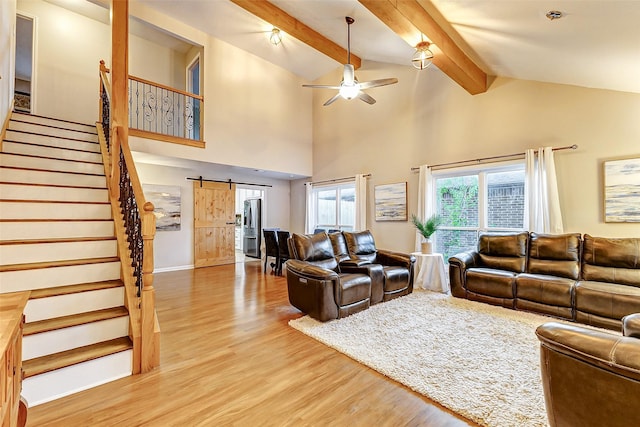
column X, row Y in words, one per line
column 326, row 274
column 591, row 378
column 315, row 284
column 396, row 278
column 591, row 280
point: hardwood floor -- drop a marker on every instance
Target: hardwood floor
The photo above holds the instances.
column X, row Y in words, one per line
column 229, row 358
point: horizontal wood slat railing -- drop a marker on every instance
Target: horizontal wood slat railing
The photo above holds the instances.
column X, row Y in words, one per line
column 160, row 112
column 135, row 230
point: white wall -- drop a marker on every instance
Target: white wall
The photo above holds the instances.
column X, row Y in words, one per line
column 173, row 250
column 428, row 119
column 7, row 56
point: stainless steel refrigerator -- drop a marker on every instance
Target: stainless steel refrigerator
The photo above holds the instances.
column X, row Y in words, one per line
column 252, row 228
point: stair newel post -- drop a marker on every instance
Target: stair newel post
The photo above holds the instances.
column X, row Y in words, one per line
column 150, row 357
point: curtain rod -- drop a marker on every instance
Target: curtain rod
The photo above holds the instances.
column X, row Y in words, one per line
column 484, row 159
column 228, row 181
column 346, row 178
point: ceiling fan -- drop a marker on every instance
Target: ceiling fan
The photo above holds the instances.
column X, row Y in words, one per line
column 349, row 87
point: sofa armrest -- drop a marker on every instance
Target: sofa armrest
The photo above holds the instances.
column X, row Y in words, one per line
column 310, row 271
column 386, row 257
column 631, row 325
column 458, row 265
column 606, row 350
column 354, row 262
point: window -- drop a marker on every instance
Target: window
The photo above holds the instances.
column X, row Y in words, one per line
column 335, row 207
column 474, row 201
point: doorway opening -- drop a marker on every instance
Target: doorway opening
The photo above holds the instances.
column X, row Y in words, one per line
column 193, row 86
column 24, row 72
column 248, row 228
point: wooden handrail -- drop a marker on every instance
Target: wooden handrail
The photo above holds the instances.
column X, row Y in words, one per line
column 169, row 88
column 135, row 229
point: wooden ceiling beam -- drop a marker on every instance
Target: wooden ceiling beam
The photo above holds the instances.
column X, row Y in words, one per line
column 410, row 20
column 296, row 29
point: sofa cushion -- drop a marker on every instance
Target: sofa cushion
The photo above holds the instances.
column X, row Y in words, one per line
column 504, row 251
column 551, row 290
column 395, row 278
column 555, row 255
column 315, row 249
column 353, row 288
column 339, row 244
column 608, row 300
column 611, row 260
column 488, row 281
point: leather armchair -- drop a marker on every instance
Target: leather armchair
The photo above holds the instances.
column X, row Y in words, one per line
column 315, row 284
column 397, row 268
column 591, row 378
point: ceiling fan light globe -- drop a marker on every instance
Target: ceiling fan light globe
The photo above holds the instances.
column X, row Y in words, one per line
column 349, row 92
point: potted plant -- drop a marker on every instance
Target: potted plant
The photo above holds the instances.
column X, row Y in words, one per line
column 426, row 228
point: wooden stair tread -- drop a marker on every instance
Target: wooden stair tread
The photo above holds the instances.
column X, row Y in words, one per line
column 50, row 158
column 61, row 202
column 59, row 240
column 74, row 289
column 51, row 264
column 55, row 219
column 44, row 125
column 48, row 170
column 56, row 323
column 63, row 359
column 33, row 144
column 38, row 184
column 16, row 116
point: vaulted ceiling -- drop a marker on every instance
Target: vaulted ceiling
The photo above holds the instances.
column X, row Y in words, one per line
column 595, row 44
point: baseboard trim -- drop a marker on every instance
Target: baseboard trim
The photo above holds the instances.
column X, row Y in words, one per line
column 5, row 125
column 176, row 268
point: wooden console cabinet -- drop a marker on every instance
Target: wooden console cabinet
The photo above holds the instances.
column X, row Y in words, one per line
column 11, row 322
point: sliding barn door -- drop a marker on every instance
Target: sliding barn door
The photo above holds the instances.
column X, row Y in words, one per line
column 214, row 213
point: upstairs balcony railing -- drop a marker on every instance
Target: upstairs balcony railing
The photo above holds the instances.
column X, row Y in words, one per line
column 164, row 113
column 160, row 112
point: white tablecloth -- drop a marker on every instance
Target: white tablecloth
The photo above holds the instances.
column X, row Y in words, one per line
column 430, row 273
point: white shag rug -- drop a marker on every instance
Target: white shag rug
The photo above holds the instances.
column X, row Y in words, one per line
column 480, row 361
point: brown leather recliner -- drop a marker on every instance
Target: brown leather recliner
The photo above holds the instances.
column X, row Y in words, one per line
column 315, row 284
column 591, row 378
column 397, row 267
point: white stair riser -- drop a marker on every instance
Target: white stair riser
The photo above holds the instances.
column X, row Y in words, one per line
column 80, row 302
column 52, row 152
column 8, row 159
column 52, row 178
column 53, row 194
column 51, row 141
column 53, row 122
column 72, row 379
column 57, row 229
column 44, row 210
column 49, row 252
column 51, row 342
column 41, row 278
column 51, row 131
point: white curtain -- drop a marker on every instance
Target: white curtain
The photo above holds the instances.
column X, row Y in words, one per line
column 308, row 218
column 542, row 204
column 425, row 199
column 361, row 202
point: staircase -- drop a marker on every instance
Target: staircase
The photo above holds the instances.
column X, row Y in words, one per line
column 57, row 240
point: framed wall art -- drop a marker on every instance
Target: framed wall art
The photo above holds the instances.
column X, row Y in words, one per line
column 166, row 203
column 391, row 202
column 622, row 190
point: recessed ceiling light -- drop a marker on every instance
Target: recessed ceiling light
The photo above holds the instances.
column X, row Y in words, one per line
column 554, row 14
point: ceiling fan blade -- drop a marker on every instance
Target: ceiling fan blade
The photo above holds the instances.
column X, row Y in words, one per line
column 332, row 100
column 376, row 83
column 366, row 98
column 323, row 86
column 348, row 76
